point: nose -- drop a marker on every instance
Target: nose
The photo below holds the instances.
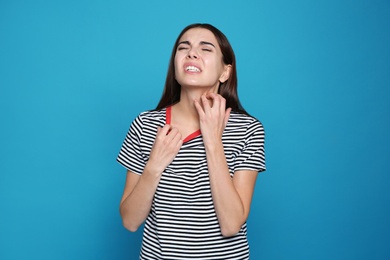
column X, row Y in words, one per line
column 192, row 54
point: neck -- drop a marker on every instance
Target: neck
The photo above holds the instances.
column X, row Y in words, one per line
column 188, row 95
column 185, row 109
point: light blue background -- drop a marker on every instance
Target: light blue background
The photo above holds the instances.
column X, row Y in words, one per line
column 74, row 74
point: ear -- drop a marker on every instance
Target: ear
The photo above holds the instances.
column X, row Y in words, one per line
column 226, row 73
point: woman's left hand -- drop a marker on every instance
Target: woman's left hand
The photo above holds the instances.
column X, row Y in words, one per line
column 213, row 116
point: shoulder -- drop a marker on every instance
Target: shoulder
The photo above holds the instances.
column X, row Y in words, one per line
column 151, row 117
column 153, row 114
column 241, row 120
column 147, row 121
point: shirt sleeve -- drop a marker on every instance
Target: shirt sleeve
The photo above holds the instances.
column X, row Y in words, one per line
column 252, row 156
column 130, row 155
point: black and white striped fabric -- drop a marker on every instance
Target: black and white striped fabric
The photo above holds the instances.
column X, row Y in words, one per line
column 182, row 223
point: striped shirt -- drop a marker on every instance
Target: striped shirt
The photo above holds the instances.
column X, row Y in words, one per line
column 182, row 223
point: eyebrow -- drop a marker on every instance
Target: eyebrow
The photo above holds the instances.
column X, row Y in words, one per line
column 201, row 43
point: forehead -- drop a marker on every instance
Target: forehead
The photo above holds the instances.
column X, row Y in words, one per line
column 195, row 35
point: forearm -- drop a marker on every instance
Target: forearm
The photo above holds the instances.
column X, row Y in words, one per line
column 228, row 204
column 135, row 208
column 140, row 189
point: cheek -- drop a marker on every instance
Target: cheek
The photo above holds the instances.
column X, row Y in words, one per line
column 175, row 65
column 176, row 61
column 218, row 67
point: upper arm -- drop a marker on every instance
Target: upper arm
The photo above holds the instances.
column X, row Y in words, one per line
column 131, row 180
column 244, row 182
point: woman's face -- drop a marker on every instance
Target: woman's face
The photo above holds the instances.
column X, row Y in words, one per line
column 198, row 60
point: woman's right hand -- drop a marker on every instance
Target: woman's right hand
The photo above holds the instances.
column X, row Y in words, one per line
column 139, row 189
column 165, row 148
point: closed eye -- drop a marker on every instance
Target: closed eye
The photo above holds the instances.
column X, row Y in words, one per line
column 184, row 45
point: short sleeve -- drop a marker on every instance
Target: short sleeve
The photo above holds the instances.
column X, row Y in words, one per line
column 130, row 155
column 252, row 156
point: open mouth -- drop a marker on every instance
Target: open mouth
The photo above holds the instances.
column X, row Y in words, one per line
column 192, row 69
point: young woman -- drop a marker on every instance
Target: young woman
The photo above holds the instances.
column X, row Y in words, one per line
column 192, row 162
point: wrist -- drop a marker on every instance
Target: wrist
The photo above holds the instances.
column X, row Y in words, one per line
column 213, row 145
column 152, row 171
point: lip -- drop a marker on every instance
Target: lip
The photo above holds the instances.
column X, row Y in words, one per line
column 187, row 64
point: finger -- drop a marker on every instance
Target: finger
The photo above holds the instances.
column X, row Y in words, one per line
column 227, row 115
column 216, row 100
column 174, row 139
column 164, row 130
column 222, row 103
column 205, row 103
column 177, row 138
column 173, row 131
column 198, row 108
column 211, row 95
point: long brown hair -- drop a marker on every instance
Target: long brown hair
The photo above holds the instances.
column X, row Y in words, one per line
column 228, row 89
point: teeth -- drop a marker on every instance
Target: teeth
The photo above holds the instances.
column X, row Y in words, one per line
column 192, row 69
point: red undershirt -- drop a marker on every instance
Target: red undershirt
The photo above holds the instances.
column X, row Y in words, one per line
column 168, row 117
